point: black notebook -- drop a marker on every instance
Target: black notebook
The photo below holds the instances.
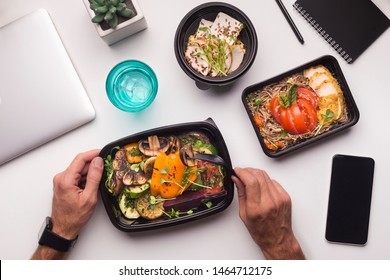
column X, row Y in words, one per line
column 349, row 26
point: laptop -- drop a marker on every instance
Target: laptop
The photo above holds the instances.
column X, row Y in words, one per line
column 41, row 95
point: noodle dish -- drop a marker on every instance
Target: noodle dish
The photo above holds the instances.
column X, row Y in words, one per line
column 303, row 105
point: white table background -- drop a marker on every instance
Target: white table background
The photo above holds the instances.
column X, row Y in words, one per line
column 26, row 182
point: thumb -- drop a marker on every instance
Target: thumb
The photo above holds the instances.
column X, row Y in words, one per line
column 94, row 176
column 240, row 193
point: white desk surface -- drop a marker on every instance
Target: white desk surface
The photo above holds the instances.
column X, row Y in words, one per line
column 26, row 182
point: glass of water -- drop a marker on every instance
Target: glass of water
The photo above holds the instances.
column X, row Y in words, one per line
column 131, row 86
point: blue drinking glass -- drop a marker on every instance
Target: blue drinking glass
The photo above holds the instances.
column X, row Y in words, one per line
column 131, row 86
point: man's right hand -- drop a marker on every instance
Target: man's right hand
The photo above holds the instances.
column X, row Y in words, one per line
column 265, row 209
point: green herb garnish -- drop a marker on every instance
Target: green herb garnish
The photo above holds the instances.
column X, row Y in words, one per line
column 327, row 117
column 109, row 169
column 290, row 98
column 176, row 213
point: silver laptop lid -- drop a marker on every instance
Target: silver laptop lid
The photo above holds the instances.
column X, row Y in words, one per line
column 41, row 95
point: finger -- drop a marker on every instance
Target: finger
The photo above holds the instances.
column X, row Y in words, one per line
column 79, row 162
column 83, row 179
column 253, row 181
column 274, row 192
column 281, row 193
column 240, row 189
column 93, row 177
column 241, row 196
column 254, row 201
column 85, row 169
column 74, row 172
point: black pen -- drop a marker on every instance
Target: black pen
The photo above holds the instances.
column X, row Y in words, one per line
column 290, row 21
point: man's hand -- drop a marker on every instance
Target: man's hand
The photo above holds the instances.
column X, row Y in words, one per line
column 75, row 194
column 74, row 198
column 265, row 209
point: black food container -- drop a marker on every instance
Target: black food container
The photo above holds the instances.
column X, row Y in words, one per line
column 333, row 66
column 188, row 26
column 220, row 201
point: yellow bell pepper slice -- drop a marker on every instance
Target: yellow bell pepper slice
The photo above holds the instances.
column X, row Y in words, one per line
column 168, row 174
column 133, row 153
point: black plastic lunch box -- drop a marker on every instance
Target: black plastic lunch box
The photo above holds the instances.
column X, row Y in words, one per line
column 188, row 26
column 207, row 127
column 333, row 66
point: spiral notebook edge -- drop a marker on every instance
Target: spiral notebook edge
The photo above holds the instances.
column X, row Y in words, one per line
column 339, row 49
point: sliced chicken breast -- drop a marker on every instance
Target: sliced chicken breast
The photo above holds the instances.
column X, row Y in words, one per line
column 317, row 79
column 195, row 57
column 238, row 53
column 308, row 73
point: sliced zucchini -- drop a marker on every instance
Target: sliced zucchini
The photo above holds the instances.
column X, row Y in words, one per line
column 206, row 149
column 127, row 207
column 136, row 191
column 146, row 209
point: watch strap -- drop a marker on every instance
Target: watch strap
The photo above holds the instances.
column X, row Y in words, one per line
column 55, row 241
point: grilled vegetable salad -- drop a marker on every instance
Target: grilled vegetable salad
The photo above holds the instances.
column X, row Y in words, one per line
column 158, row 177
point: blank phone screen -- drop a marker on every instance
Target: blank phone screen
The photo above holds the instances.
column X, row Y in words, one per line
column 350, row 199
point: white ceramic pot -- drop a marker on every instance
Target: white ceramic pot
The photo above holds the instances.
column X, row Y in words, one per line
column 124, row 29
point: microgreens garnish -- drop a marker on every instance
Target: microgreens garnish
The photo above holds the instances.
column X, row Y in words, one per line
column 137, row 166
column 214, row 51
column 154, row 200
column 164, row 170
column 109, row 167
column 327, row 117
column 176, row 213
column 163, row 181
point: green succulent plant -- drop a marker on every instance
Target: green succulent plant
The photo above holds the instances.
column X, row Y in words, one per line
column 108, row 10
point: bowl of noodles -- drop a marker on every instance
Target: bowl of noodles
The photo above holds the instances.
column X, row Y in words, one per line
column 300, row 107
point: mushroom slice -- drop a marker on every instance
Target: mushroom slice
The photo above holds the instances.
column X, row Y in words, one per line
column 115, row 186
column 134, row 178
column 128, row 178
column 154, row 145
column 149, row 164
column 120, row 173
column 187, row 155
column 118, row 164
column 120, row 154
column 174, row 143
column 139, row 178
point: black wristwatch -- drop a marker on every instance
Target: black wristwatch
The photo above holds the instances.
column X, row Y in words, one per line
column 53, row 240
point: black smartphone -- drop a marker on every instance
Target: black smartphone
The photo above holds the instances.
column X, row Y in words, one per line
column 350, row 199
